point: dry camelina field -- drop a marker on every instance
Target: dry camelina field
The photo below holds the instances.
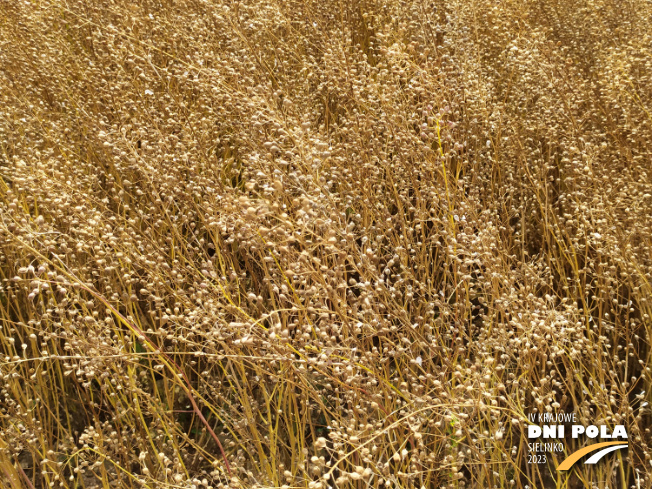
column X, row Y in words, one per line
column 323, row 244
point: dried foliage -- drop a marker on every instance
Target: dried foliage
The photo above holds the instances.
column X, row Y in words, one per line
column 321, row 244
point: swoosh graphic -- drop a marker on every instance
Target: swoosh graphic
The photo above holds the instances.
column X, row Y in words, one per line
column 597, row 456
column 575, row 456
